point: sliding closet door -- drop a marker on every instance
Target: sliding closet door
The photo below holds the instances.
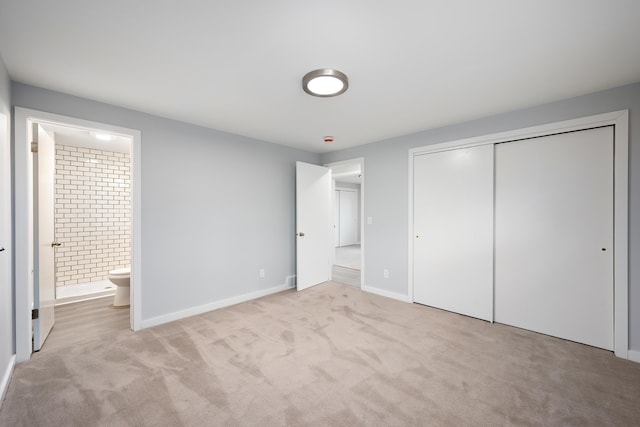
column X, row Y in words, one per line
column 453, row 231
column 554, row 235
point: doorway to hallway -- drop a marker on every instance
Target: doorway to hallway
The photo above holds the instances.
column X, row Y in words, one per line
column 346, row 265
column 348, row 202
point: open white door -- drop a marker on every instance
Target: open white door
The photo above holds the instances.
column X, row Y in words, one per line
column 44, row 286
column 5, row 225
column 314, row 224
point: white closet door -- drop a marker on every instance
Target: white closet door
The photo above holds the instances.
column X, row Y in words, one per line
column 453, row 227
column 336, row 218
column 348, row 218
column 554, row 235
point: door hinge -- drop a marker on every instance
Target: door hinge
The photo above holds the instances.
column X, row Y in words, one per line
column 34, row 314
column 34, row 147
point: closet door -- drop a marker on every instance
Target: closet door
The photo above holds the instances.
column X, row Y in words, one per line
column 453, row 231
column 554, row 235
column 348, row 218
column 336, row 218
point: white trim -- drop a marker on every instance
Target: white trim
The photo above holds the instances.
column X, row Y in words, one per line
column 24, row 224
column 135, row 318
column 410, row 230
column 634, row 356
column 619, row 119
column 362, row 217
column 291, row 281
column 387, row 294
column 605, row 119
column 215, row 305
column 621, row 234
column 6, row 378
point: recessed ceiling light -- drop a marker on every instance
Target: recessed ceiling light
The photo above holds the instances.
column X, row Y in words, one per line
column 103, row 137
column 325, row 82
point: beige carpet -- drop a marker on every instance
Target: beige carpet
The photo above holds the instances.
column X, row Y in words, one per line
column 328, row 356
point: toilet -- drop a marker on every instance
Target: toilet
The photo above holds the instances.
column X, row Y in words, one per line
column 120, row 278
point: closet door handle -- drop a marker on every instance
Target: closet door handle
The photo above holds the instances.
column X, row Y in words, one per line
column 55, row 244
column 1, row 249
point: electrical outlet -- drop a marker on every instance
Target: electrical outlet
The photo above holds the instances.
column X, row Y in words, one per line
column 262, row 272
column 385, row 273
column 369, row 220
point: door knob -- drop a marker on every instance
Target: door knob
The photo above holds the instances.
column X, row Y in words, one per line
column 1, row 249
column 301, row 234
column 55, row 244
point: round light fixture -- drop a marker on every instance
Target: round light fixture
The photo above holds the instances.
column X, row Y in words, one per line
column 103, row 137
column 325, row 82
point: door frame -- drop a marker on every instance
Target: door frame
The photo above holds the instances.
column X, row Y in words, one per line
column 359, row 161
column 335, row 188
column 620, row 121
column 24, row 244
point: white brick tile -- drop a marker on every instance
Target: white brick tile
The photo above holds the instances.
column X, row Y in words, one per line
column 92, row 213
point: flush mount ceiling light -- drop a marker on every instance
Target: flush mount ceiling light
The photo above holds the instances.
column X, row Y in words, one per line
column 103, row 136
column 325, row 82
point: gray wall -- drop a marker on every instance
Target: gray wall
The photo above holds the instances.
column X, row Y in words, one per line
column 216, row 207
column 386, row 191
column 6, row 287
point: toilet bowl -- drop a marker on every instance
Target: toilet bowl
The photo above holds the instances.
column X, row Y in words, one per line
column 120, row 278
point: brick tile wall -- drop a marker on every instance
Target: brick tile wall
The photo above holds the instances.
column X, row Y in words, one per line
column 92, row 213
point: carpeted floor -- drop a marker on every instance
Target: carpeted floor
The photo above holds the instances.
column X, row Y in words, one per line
column 331, row 355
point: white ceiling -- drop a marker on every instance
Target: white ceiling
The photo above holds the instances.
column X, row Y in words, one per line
column 237, row 66
column 81, row 137
column 347, row 172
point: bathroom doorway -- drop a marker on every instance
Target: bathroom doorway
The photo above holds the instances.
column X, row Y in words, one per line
column 348, row 202
column 96, row 216
column 92, row 211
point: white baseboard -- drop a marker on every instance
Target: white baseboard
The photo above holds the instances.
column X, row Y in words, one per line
column 6, row 377
column 381, row 292
column 634, row 356
column 166, row 318
column 291, row 281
